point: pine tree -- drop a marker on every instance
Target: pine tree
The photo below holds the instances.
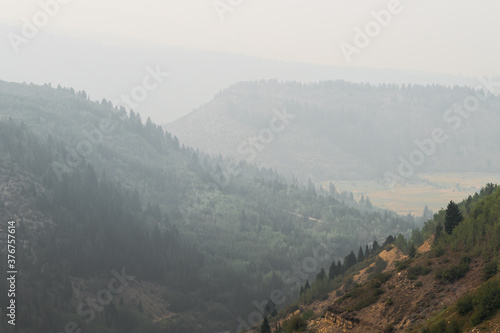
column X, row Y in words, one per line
column 321, row 275
column 361, row 255
column 265, row 328
column 339, row 268
column 307, row 286
column 367, row 251
column 368, row 203
column 453, row 217
column 389, row 240
column 350, row 260
column 412, row 251
column 332, row 272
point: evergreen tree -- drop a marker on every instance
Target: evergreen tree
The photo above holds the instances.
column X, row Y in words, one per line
column 453, row 217
column 367, row 251
column 361, row 255
column 307, row 286
column 350, row 260
column 265, row 328
column 321, row 275
column 368, row 203
column 339, row 268
column 412, row 251
column 375, row 246
column 388, row 240
column 332, row 272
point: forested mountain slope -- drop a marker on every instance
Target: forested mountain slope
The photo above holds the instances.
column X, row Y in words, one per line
column 97, row 192
column 341, row 130
column 445, row 278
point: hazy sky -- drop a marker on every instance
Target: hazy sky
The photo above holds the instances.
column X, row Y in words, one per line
column 456, row 37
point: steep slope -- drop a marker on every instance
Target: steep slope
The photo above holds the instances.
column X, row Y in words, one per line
column 111, row 195
column 340, row 130
column 452, row 286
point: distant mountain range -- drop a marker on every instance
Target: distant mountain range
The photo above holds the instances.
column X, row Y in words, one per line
column 108, row 67
column 341, row 130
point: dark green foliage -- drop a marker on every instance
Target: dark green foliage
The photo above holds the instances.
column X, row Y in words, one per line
column 361, row 255
column 332, row 272
column 402, row 265
column 307, row 315
column 388, row 240
column 321, row 275
column 265, row 328
column 412, row 251
column 416, row 271
column 443, row 327
column 465, row 305
column 453, row 273
column 481, row 305
column 437, row 251
column 490, row 270
column 349, row 261
column 486, row 301
column 307, row 286
column 453, row 217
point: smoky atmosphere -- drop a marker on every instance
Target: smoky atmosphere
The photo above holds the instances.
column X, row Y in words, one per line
column 230, row 166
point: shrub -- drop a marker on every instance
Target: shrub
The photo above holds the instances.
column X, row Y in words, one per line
column 294, row 324
column 438, row 251
column 452, row 274
column 487, row 300
column 465, row 305
column 308, row 315
column 418, row 284
column 465, row 260
column 389, row 301
column 402, row 265
column 414, row 272
column 490, row 270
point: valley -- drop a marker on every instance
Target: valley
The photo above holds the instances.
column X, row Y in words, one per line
column 431, row 189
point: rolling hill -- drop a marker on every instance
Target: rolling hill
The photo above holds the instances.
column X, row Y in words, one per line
column 99, row 196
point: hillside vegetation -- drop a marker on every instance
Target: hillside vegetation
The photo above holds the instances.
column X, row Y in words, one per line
column 447, row 283
column 95, row 190
column 339, row 130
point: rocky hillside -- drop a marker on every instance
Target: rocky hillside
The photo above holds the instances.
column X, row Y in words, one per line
column 449, row 284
